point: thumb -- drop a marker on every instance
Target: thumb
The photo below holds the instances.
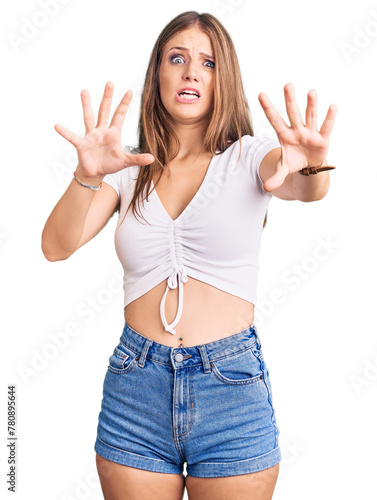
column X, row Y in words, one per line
column 146, row 158
column 277, row 179
column 141, row 159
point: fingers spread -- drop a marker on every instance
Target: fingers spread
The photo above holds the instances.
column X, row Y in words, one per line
column 121, row 111
column 273, row 116
column 67, row 134
column 89, row 119
column 105, row 106
column 328, row 124
column 291, row 106
column 311, row 110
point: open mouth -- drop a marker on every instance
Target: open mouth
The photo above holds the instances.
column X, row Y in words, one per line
column 189, row 94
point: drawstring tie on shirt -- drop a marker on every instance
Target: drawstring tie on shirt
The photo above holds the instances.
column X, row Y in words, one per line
column 178, row 277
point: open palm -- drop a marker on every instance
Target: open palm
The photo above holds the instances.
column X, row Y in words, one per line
column 302, row 145
column 100, row 151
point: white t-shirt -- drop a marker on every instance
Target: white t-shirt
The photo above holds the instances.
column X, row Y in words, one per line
column 216, row 239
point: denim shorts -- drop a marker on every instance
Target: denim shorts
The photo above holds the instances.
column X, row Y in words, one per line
column 207, row 406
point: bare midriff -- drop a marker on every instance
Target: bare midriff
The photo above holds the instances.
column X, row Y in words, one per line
column 208, row 314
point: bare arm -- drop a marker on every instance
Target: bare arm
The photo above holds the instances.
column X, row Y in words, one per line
column 295, row 186
column 77, row 217
column 82, row 212
column 312, row 187
column 302, row 145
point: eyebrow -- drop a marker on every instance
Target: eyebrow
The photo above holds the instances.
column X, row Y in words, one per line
column 185, row 48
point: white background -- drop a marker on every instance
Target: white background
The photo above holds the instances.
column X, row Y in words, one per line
column 319, row 341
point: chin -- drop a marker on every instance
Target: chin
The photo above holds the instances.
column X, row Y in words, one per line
column 193, row 112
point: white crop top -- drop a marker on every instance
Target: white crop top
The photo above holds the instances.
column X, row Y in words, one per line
column 216, row 239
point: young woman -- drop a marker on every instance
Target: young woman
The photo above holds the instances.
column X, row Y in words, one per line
column 187, row 382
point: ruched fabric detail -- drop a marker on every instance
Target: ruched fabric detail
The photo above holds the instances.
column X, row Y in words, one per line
column 172, row 283
column 215, row 239
column 176, row 278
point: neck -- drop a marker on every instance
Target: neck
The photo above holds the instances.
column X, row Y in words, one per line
column 190, row 139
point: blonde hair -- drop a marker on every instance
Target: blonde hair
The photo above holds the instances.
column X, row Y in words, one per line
column 228, row 120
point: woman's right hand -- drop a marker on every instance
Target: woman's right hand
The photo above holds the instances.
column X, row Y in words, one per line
column 100, row 151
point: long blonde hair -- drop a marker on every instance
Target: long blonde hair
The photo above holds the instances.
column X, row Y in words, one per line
column 228, row 120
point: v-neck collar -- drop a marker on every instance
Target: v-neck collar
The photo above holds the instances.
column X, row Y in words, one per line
column 192, row 201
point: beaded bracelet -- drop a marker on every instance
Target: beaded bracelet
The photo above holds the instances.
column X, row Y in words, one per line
column 96, row 188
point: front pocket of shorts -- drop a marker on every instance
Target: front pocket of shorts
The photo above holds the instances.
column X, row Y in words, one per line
column 238, row 369
column 122, row 360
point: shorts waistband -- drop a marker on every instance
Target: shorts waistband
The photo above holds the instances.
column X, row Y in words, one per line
column 189, row 356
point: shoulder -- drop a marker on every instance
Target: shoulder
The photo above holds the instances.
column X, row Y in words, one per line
column 253, row 151
column 258, row 145
column 252, row 147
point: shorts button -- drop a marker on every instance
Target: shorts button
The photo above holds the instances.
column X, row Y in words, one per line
column 178, row 357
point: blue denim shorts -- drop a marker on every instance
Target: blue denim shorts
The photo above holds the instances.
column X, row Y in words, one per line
column 207, row 406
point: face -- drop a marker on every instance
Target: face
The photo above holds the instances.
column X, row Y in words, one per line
column 189, row 66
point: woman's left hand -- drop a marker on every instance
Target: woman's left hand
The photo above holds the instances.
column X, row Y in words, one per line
column 301, row 145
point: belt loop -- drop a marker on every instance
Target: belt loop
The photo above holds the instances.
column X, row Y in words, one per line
column 144, row 352
column 253, row 326
column 205, row 360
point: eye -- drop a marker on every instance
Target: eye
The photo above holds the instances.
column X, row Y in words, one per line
column 176, row 56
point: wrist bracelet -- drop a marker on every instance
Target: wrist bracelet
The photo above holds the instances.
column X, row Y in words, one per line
column 95, row 188
column 314, row 170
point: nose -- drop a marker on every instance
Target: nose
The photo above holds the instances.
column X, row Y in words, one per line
column 191, row 71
